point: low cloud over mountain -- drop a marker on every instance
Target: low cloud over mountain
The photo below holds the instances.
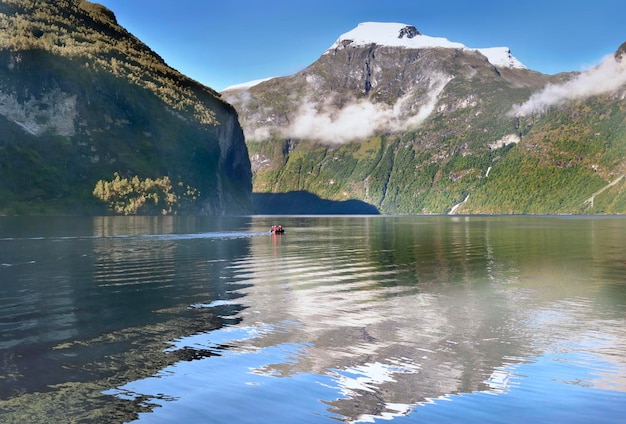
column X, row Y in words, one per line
column 607, row 77
column 362, row 118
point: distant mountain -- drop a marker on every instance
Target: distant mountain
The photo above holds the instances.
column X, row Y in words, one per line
column 82, row 99
column 417, row 124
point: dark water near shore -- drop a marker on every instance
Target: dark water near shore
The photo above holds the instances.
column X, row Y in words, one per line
column 341, row 319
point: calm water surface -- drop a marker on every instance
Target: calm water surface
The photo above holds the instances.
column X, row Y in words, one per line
column 341, row 319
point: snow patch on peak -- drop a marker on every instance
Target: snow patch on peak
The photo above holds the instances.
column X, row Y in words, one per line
column 392, row 34
column 501, row 57
column 246, row 85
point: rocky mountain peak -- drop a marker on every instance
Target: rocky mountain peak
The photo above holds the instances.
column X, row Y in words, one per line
column 391, row 34
column 409, row 31
column 399, row 35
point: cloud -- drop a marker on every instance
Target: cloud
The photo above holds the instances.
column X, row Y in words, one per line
column 259, row 133
column 357, row 120
column 607, row 77
column 361, row 119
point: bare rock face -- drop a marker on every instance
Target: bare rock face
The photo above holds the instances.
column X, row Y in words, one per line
column 408, row 32
column 54, row 112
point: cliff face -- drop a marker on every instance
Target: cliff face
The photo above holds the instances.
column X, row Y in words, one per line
column 82, row 99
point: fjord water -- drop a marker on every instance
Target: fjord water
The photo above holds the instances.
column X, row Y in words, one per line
column 341, row 319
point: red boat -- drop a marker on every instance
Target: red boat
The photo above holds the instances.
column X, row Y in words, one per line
column 277, row 229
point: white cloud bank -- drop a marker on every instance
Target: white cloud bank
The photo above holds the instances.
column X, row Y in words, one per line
column 607, row 77
column 361, row 119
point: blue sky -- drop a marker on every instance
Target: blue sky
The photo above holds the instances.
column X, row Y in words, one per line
column 225, row 42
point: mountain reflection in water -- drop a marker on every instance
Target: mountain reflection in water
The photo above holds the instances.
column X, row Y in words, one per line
column 351, row 319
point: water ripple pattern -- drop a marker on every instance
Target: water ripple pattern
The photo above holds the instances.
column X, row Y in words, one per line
column 340, row 319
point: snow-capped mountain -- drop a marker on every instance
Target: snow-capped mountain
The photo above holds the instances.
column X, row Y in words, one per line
column 407, row 36
column 378, row 77
column 399, row 35
column 417, row 124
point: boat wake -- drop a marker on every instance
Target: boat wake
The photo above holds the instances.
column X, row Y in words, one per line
column 221, row 235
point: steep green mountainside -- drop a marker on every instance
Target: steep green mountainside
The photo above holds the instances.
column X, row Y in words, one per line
column 82, row 99
column 465, row 153
column 570, row 153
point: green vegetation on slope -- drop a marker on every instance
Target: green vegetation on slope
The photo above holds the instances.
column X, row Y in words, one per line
column 564, row 157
